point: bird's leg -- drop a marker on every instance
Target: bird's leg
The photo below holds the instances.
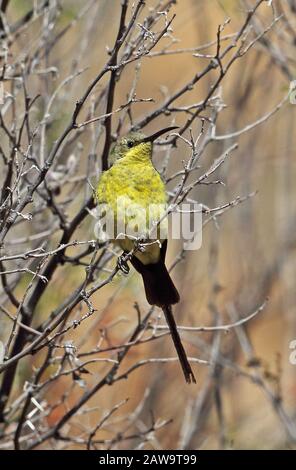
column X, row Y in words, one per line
column 122, row 263
column 140, row 244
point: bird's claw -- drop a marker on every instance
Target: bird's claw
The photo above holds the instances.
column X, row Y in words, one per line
column 122, row 265
column 140, row 245
column 141, row 248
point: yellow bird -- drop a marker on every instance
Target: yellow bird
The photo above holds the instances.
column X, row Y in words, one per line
column 133, row 202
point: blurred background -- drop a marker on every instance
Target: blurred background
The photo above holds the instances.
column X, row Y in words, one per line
column 249, row 257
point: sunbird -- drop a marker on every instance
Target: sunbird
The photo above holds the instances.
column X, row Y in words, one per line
column 133, row 193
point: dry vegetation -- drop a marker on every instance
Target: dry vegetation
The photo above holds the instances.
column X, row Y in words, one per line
column 84, row 362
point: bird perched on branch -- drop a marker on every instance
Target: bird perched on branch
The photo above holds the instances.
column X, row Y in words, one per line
column 132, row 201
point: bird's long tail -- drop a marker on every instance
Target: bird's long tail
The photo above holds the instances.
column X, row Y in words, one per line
column 186, row 367
column 161, row 291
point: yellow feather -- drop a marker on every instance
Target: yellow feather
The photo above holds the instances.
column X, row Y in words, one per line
column 133, row 180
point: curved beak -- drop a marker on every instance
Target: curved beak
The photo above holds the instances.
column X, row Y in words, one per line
column 157, row 134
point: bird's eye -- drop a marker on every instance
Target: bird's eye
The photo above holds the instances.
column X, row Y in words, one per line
column 130, row 144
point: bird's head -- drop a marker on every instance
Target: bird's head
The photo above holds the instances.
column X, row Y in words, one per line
column 135, row 146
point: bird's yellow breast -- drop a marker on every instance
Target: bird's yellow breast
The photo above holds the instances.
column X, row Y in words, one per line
column 134, row 194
